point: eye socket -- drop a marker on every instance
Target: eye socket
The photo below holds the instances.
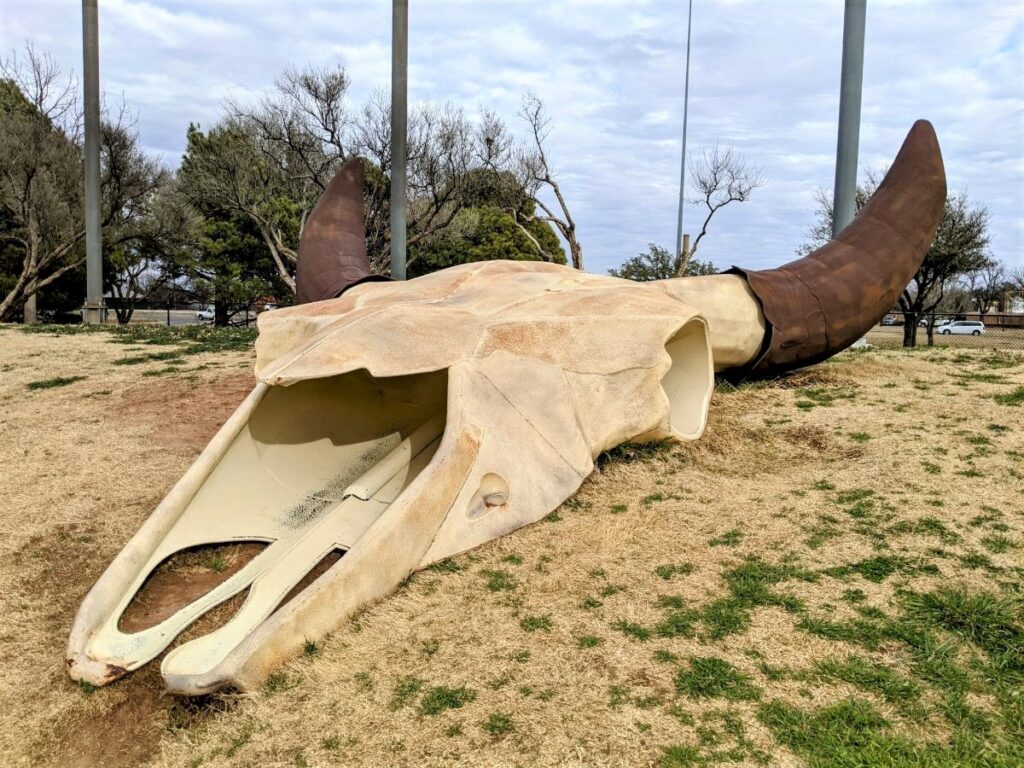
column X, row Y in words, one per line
column 492, row 493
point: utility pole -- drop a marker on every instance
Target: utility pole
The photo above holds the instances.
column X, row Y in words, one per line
column 94, row 312
column 682, row 162
column 399, row 129
column 844, row 198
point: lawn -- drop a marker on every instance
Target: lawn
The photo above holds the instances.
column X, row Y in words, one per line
column 831, row 576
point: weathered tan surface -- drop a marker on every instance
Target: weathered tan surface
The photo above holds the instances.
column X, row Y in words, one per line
column 401, row 424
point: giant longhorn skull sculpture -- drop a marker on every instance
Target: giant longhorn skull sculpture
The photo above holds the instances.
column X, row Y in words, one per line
column 401, row 423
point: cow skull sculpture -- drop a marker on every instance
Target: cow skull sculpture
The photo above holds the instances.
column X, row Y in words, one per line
column 401, row 423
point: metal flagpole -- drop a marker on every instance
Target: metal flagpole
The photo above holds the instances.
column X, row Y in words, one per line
column 851, row 85
column 94, row 310
column 682, row 162
column 399, row 127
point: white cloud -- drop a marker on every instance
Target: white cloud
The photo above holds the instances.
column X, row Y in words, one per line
column 764, row 78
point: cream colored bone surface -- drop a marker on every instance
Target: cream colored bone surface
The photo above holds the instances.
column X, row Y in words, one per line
column 529, row 370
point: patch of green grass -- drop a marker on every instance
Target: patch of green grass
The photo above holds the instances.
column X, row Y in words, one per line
column 535, row 623
column 440, row 698
column 708, row 677
column 588, row 641
column 876, row 569
column 448, row 565
column 931, row 468
column 927, row 526
column 678, row 623
column 277, row 682
column 1000, row 360
column 498, row 724
column 870, row 676
column 860, row 437
column 997, row 543
column 172, row 355
column 632, row 630
column 866, row 633
column 628, row 453
column 749, row 586
column 429, row 647
column 1013, row 399
column 513, row 559
column 667, row 571
column 728, row 539
column 823, row 485
column 618, row 509
column 812, row 397
column 854, row 595
column 849, row 734
column 57, row 381
column 665, row 657
column 990, row 622
column 405, row 692
column 975, row 560
column 310, row 649
column 726, row 616
column 498, row 581
column 680, row 756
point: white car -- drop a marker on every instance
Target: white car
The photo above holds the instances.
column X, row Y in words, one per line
column 961, row 327
column 205, row 315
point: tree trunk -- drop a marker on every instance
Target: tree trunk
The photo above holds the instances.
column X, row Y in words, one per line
column 576, row 252
column 29, row 313
column 220, row 313
column 910, row 321
column 931, row 331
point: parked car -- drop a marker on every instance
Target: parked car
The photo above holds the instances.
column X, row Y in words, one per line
column 205, row 315
column 961, row 327
column 890, row 320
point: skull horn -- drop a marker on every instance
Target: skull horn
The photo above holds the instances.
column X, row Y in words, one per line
column 819, row 305
column 332, row 249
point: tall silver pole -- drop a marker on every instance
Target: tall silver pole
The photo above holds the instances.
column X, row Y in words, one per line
column 682, row 162
column 845, row 195
column 399, row 127
column 94, row 310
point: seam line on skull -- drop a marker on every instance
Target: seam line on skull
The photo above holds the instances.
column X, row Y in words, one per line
column 532, row 425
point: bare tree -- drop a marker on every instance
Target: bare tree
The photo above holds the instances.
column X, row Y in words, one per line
column 41, row 175
column 537, row 177
column 722, row 176
column 305, row 129
column 986, row 285
column 1017, row 280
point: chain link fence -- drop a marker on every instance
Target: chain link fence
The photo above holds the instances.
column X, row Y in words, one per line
column 1001, row 331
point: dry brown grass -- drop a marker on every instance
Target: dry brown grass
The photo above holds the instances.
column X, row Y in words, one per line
column 81, row 470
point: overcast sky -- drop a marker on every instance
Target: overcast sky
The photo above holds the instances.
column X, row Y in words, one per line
column 764, row 78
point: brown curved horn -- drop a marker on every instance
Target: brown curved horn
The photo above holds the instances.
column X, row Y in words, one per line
column 821, row 304
column 332, row 249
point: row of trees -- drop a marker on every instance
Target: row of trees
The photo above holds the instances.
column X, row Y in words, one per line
column 959, row 272
column 224, row 227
